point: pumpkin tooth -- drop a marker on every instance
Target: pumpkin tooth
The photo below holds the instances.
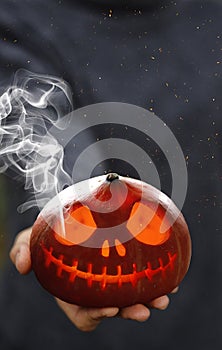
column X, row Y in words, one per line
column 89, row 275
column 149, row 265
column 133, row 278
column 60, row 266
column 119, row 275
column 49, row 257
column 162, row 267
column 148, row 273
column 104, row 277
column 161, row 264
column 73, row 274
column 171, row 260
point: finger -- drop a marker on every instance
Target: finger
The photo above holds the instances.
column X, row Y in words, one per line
column 175, row 290
column 20, row 252
column 160, row 303
column 95, row 316
column 86, row 319
column 136, row 312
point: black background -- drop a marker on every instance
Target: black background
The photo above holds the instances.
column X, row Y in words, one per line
column 165, row 56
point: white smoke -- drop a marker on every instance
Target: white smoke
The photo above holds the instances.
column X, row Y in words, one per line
column 27, row 110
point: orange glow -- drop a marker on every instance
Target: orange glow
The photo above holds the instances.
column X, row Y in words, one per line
column 62, row 240
column 105, row 249
column 144, row 224
column 121, row 250
column 78, row 227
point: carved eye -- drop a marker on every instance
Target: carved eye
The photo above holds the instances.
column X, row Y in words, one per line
column 79, row 225
column 145, row 223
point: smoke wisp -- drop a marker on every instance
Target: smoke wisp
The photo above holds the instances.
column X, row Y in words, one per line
column 27, row 110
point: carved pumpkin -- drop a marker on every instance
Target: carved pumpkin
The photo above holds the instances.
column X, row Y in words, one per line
column 110, row 241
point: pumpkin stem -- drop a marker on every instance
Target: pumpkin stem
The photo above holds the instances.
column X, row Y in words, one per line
column 112, row 176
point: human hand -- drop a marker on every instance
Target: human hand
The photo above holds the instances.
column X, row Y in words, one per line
column 85, row 319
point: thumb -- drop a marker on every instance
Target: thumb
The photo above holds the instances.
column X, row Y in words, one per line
column 20, row 252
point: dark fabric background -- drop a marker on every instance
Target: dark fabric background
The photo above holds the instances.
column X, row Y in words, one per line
column 165, row 55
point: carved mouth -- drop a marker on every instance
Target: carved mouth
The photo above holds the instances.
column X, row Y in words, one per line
column 105, row 278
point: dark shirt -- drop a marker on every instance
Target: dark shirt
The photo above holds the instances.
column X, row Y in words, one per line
column 160, row 55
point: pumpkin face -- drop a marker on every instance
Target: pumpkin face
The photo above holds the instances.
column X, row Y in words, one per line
column 110, row 241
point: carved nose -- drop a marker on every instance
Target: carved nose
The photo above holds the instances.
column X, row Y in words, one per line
column 121, row 250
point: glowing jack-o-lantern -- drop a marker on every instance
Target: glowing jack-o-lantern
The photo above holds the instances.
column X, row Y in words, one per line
column 110, row 241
